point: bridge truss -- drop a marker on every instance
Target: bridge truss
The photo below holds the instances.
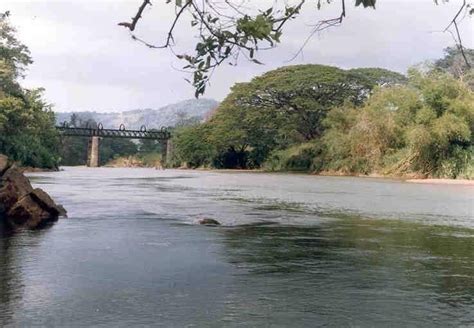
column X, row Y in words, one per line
column 163, row 134
column 97, row 132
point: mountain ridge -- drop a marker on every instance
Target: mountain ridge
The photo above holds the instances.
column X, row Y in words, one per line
column 183, row 112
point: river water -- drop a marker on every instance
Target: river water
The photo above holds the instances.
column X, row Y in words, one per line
column 292, row 251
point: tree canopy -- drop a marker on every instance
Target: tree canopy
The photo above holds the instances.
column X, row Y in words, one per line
column 27, row 133
column 325, row 119
column 284, row 107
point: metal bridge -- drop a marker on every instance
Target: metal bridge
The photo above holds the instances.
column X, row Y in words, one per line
column 96, row 132
column 121, row 132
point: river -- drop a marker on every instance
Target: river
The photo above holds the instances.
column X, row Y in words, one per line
column 292, row 251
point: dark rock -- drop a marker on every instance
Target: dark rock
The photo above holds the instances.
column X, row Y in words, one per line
column 43, row 199
column 28, row 213
column 207, row 221
column 21, row 206
column 62, row 211
column 14, row 186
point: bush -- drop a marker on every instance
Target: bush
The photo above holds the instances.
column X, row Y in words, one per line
column 305, row 157
column 424, row 128
column 191, row 147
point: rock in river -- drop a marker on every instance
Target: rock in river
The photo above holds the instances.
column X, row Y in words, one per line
column 21, row 206
column 207, row 221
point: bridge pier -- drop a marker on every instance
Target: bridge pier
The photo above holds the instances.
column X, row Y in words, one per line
column 93, row 152
column 164, row 153
column 166, row 148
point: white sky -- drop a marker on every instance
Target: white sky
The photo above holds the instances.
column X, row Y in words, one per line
column 86, row 62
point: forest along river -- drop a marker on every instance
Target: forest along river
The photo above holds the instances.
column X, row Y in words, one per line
column 292, row 251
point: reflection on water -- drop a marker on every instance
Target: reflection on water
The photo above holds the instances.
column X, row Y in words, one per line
column 293, row 251
column 375, row 272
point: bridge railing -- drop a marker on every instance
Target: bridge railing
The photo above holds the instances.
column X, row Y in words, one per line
column 121, row 132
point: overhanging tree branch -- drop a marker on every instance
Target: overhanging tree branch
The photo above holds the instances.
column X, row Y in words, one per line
column 458, row 35
column 137, row 17
column 227, row 28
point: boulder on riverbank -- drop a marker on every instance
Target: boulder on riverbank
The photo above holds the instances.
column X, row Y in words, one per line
column 21, row 206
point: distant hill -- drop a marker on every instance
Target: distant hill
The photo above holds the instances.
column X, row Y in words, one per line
column 192, row 110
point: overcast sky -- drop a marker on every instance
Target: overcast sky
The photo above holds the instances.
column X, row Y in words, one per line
column 86, row 62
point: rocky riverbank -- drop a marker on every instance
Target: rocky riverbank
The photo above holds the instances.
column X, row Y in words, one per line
column 21, row 205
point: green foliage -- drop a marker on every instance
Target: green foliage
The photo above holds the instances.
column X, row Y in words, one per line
column 73, row 150
column 317, row 118
column 114, row 148
column 13, row 53
column 380, row 76
column 304, row 157
column 423, row 128
column 454, row 63
column 27, row 133
column 149, row 146
column 281, row 108
column 192, row 147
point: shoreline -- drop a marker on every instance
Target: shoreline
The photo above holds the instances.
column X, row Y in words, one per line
column 438, row 181
column 457, row 182
column 435, row 181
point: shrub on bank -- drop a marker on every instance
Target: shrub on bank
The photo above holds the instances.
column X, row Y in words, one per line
column 305, row 157
column 423, row 128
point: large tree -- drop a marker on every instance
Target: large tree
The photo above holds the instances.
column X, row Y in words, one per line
column 296, row 98
column 281, row 108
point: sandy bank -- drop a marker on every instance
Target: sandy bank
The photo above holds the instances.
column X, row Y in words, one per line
column 463, row 182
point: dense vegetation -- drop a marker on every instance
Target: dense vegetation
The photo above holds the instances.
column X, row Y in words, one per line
column 361, row 121
column 274, row 111
column 27, row 133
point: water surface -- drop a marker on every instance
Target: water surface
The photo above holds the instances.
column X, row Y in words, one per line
column 293, row 251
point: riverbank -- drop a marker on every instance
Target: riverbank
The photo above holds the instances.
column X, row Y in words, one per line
column 409, row 179
column 463, row 182
column 134, row 162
